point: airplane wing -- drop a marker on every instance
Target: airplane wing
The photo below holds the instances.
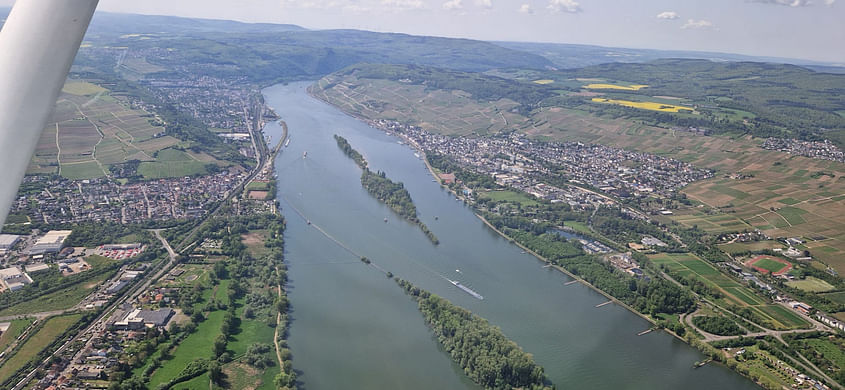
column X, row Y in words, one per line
column 37, row 46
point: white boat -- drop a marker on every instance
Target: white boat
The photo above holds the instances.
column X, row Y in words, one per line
column 304, row 154
column 287, row 142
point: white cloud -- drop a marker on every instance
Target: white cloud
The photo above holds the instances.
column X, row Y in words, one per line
column 355, row 6
column 526, row 9
column 403, row 4
column 668, row 15
column 488, row 4
column 564, row 6
column 697, row 24
column 453, row 4
column 793, row 3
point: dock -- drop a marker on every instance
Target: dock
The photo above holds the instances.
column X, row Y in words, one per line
column 647, row 331
column 571, row 282
column 602, row 304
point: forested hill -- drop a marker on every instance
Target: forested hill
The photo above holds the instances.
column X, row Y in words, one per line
column 788, row 100
column 762, row 99
column 269, row 53
column 570, row 56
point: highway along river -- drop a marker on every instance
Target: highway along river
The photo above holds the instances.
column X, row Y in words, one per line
column 353, row 328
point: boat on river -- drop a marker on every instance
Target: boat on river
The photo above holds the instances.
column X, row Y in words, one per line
column 465, row 289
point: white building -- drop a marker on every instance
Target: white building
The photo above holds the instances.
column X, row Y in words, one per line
column 14, row 279
column 7, row 242
column 52, row 242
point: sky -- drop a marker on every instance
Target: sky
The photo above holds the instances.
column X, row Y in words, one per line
column 802, row 29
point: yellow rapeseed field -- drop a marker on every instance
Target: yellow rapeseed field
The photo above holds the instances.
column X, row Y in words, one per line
column 635, row 87
column 644, row 105
column 543, row 82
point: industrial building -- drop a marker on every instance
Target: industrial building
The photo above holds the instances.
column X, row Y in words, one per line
column 52, row 242
column 7, row 242
column 14, row 279
column 138, row 318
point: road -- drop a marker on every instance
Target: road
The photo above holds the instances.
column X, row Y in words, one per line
column 98, row 323
column 263, row 153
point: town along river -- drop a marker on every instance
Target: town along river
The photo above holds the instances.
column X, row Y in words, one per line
column 353, row 328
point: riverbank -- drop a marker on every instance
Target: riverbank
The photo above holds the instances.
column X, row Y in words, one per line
column 560, row 326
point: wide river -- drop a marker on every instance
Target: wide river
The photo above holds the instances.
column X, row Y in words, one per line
column 353, row 328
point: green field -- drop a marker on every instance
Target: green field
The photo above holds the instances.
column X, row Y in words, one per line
column 742, row 247
column 59, row 300
column 734, row 293
column 788, row 318
column 16, row 327
column 769, row 265
column 194, row 274
column 510, row 196
column 838, row 297
column 82, row 88
column 83, row 170
column 578, row 226
column 197, row 345
column 830, row 351
column 161, row 170
column 811, row 284
column 53, row 328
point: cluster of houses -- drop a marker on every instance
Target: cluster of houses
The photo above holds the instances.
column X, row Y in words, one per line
column 73, row 201
column 824, row 150
column 518, row 161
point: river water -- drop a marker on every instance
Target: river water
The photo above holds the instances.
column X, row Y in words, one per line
column 353, row 328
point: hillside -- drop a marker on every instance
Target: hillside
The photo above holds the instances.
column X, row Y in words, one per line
column 781, row 194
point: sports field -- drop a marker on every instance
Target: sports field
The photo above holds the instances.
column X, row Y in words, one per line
column 734, row 293
column 811, row 284
column 769, row 264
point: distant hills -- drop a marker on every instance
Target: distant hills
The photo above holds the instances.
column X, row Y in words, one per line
column 363, row 46
column 566, row 56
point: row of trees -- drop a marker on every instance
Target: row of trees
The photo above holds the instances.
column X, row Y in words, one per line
column 393, row 194
column 722, row 326
column 646, row 296
column 486, row 355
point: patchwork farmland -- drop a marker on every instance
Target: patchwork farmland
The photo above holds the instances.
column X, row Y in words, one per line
column 733, row 292
column 92, row 130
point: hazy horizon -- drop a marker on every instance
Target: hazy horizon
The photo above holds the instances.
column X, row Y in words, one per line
column 770, row 28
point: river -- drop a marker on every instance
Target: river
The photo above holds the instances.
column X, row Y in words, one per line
column 353, row 328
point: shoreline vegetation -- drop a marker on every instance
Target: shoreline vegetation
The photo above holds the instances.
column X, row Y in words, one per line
column 393, row 194
column 768, row 345
column 487, row 356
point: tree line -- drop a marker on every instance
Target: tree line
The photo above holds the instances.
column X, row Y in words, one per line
column 488, row 357
column 393, row 194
